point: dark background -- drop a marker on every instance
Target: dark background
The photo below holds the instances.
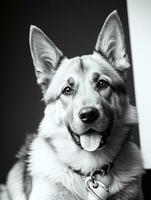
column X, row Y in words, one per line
column 73, row 26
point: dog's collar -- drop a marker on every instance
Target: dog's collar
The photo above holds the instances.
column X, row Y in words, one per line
column 104, row 170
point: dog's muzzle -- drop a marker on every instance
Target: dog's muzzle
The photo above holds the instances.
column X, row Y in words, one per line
column 91, row 140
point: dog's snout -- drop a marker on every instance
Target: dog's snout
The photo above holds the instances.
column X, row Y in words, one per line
column 88, row 115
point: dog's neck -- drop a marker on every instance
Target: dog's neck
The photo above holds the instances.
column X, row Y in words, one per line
column 106, row 168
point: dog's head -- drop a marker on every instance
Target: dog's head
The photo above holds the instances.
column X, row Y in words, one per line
column 85, row 96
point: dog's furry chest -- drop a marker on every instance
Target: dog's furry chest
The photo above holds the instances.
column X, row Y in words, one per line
column 61, row 192
column 69, row 185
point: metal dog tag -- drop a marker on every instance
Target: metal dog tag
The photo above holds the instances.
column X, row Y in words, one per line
column 96, row 190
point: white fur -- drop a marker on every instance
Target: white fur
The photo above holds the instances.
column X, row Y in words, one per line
column 45, row 165
column 15, row 182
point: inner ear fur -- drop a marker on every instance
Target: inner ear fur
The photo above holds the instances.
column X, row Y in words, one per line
column 111, row 43
column 46, row 56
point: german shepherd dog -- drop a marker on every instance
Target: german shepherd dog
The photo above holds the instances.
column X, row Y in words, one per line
column 83, row 149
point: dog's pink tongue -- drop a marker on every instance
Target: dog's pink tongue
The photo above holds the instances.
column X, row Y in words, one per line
column 90, row 142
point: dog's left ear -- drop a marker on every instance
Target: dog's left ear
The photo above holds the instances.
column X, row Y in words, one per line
column 111, row 42
column 46, row 57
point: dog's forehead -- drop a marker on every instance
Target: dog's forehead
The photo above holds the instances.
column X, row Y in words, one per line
column 82, row 69
column 95, row 63
column 84, row 65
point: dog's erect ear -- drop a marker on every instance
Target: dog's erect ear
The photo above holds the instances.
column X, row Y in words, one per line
column 111, row 44
column 46, row 56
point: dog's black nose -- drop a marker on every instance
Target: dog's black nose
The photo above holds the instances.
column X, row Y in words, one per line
column 88, row 115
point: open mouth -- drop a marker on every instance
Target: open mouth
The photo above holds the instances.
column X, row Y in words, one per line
column 91, row 140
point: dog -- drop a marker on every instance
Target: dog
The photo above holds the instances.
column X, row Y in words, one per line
column 83, row 149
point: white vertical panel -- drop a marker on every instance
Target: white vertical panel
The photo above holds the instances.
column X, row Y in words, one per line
column 139, row 15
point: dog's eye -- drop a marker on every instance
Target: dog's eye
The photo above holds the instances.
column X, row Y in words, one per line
column 67, row 90
column 102, row 84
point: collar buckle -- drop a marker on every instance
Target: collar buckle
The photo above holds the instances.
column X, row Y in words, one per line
column 93, row 174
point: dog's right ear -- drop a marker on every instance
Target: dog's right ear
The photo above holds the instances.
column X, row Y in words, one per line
column 46, row 56
column 111, row 43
